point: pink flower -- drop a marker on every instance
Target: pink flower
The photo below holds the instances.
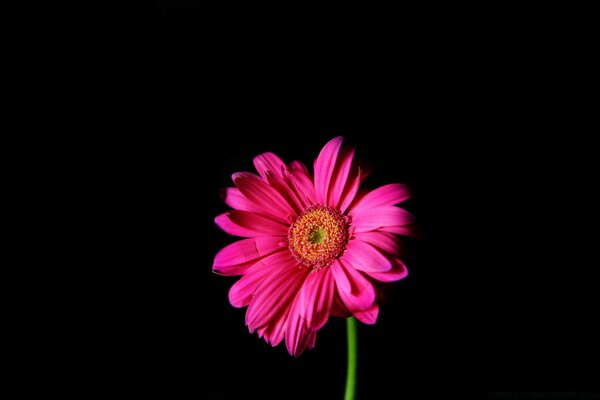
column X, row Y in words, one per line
column 314, row 247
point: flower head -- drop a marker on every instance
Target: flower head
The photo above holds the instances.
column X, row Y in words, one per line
column 314, row 247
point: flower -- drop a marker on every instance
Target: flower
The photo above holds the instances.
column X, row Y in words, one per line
column 314, row 247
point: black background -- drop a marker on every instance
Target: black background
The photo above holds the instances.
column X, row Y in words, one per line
column 499, row 295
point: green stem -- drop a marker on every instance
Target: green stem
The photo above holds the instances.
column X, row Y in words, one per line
column 352, row 344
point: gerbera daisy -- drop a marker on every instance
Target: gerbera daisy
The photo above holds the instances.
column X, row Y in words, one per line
column 315, row 247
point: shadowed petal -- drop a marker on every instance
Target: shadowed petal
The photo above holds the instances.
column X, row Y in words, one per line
column 299, row 166
column 354, row 289
column 338, row 308
column 312, row 339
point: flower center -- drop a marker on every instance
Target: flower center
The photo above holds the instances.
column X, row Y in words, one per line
column 318, row 237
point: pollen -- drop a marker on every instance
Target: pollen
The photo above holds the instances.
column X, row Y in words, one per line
column 318, row 237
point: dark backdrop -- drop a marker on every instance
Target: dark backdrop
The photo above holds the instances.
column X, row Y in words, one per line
column 499, row 295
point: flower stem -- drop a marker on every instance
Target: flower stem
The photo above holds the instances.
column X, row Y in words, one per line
column 352, row 345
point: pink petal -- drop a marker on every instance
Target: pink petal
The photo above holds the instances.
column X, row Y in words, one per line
column 338, row 308
column 241, row 292
column 312, row 338
column 340, row 177
column 236, row 200
column 397, row 272
column 407, row 230
column 299, row 166
column 303, row 187
column 297, row 336
column 362, row 256
column 354, row 289
column 237, row 257
column 274, row 332
column 262, row 195
column 385, row 241
column 369, row 316
column 387, row 195
column 274, row 295
column 284, row 188
column 269, row 162
column 324, row 168
column 380, row 217
column 248, row 224
column 351, row 190
column 316, row 298
column 232, row 270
